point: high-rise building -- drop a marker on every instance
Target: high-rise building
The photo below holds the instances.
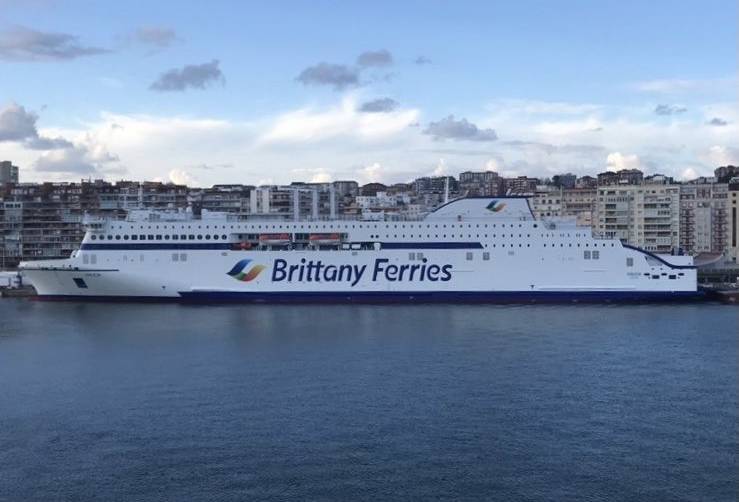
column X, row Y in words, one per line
column 294, row 202
column 567, row 180
column 733, row 207
column 622, row 177
column 580, row 203
column 8, row 172
column 647, row 216
column 704, row 218
column 480, row 183
column 521, row 185
column 436, row 184
column 547, row 202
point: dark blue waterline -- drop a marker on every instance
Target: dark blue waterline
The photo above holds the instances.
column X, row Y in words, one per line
column 384, row 297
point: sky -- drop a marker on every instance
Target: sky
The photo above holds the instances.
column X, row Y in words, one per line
column 273, row 92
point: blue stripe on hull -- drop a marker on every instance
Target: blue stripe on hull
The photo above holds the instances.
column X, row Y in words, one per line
column 497, row 297
column 443, row 297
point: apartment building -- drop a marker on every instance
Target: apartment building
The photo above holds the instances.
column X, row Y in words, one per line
column 704, row 218
column 647, row 216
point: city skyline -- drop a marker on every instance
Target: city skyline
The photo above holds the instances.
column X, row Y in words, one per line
column 244, row 94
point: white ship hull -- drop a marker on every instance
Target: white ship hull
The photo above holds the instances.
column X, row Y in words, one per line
column 514, row 259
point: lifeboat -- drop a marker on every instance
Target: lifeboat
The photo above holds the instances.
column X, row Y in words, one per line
column 324, row 239
column 274, row 239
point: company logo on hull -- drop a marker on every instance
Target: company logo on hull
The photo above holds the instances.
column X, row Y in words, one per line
column 237, row 272
column 496, row 206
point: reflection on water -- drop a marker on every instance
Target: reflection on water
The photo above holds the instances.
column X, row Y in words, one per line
column 125, row 401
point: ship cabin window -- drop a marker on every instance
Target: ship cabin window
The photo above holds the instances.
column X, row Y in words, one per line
column 110, row 237
column 191, row 237
column 125, row 237
column 166, row 237
column 183, row 256
column 175, row 237
column 224, row 237
column 411, row 256
column 596, row 255
column 629, row 262
column 469, row 255
column 175, row 257
column 586, row 254
column 672, row 277
column 150, row 237
column 134, row 237
column 142, row 237
column 93, row 237
column 183, row 237
column 207, row 237
column 159, row 237
column 215, row 236
column 117, row 237
column 486, row 255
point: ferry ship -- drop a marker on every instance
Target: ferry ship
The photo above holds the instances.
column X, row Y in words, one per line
column 466, row 250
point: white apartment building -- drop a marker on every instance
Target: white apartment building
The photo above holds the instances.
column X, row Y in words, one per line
column 704, row 218
column 647, row 216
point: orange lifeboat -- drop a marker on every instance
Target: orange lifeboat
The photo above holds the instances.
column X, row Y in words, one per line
column 323, row 239
column 274, row 239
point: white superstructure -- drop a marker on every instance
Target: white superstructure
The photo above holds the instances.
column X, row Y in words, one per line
column 471, row 249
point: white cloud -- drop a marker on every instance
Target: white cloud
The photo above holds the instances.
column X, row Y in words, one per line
column 688, row 174
column 372, row 173
column 182, row 177
column 339, row 142
column 321, row 177
column 441, row 169
column 684, row 85
column 345, row 120
column 718, row 155
column 617, row 161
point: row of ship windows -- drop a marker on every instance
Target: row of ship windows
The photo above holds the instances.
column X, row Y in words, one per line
column 191, row 237
column 323, row 226
column 157, row 237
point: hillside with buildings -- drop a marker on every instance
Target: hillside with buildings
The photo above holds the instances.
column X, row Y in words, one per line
column 44, row 220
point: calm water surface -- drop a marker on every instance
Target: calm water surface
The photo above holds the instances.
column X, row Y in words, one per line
column 151, row 402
